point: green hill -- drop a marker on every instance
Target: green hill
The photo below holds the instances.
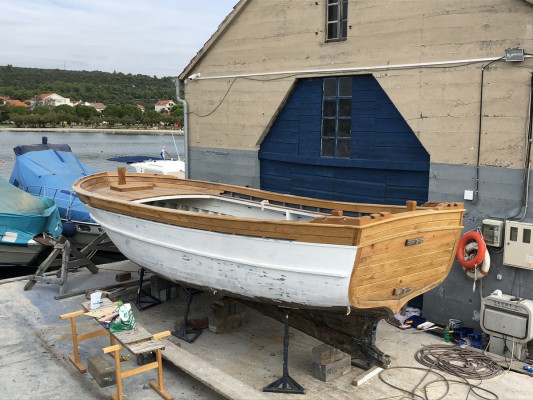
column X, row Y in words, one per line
column 91, row 86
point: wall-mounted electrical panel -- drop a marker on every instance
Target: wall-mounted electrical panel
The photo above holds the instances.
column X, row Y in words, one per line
column 492, row 231
column 518, row 248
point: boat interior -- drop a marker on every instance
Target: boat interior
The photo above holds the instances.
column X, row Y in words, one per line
column 228, row 206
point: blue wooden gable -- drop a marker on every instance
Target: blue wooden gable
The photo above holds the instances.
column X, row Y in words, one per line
column 387, row 164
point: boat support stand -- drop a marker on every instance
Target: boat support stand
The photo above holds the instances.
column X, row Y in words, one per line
column 354, row 334
column 285, row 384
column 187, row 332
column 154, row 301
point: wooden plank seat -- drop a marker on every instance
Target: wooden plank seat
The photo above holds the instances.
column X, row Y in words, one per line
column 137, row 341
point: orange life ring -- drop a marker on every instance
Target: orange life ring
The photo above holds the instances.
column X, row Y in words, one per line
column 467, row 258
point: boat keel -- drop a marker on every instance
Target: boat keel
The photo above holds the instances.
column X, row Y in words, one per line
column 354, row 334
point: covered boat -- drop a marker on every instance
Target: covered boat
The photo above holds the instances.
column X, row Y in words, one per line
column 49, row 170
column 23, row 217
column 344, row 266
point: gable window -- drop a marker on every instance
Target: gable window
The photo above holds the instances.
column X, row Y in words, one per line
column 336, row 20
column 336, row 117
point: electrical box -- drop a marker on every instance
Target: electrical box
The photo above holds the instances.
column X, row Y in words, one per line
column 509, row 321
column 492, row 231
column 518, row 248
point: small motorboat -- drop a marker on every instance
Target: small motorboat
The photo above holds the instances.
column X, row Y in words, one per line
column 49, row 170
column 22, row 218
column 165, row 165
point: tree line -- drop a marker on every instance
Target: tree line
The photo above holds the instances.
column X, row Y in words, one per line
column 90, row 86
column 114, row 114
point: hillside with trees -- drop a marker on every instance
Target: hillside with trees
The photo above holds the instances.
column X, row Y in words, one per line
column 90, row 86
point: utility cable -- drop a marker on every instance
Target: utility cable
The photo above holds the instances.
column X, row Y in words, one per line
column 460, row 362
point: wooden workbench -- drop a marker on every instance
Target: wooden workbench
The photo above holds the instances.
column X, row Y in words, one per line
column 137, row 341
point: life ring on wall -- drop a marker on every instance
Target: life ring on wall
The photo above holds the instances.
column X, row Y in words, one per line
column 471, row 250
column 481, row 270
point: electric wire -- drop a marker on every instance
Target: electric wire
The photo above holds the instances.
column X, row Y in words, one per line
column 320, row 73
column 463, row 363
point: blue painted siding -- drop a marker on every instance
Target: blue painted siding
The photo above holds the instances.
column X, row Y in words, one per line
column 387, row 163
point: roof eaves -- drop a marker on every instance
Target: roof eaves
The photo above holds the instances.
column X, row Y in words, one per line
column 237, row 9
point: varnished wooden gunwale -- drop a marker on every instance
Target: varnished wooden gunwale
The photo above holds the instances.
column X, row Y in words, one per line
column 384, row 262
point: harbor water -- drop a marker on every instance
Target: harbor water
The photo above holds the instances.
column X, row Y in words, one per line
column 93, row 149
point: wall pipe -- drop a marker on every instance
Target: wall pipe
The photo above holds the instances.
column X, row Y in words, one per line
column 355, row 69
column 527, row 159
column 177, row 83
column 476, row 191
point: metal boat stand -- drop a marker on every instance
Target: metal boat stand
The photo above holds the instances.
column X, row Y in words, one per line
column 187, row 332
column 153, row 301
column 285, row 384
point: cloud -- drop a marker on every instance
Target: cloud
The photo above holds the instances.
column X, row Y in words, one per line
column 134, row 36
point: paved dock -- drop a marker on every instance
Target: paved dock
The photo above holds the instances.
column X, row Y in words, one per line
column 35, row 345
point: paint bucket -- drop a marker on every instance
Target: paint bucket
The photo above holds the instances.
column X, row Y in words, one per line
column 96, row 298
column 454, row 324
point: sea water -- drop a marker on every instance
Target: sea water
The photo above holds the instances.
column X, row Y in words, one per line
column 93, row 149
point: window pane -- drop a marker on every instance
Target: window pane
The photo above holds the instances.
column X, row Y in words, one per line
column 526, row 237
column 330, row 108
column 330, row 87
column 344, row 126
column 332, row 31
column 345, row 86
column 328, row 128
column 343, row 148
column 345, row 107
column 514, row 234
column 333, row 13
column 328, row 147
column 344, row 29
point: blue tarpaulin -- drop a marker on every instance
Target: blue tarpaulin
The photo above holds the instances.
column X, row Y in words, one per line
column 50, row 170
column 23, row 216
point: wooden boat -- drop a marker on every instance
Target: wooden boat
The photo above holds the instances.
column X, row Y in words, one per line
column 339, row 263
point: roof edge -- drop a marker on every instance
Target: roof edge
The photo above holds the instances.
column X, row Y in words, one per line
column 237, row 9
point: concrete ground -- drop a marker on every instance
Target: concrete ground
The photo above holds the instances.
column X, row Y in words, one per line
column 35, row 345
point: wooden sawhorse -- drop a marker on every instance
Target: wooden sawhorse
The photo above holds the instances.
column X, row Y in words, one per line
column 151, row 343
column 137, row 340
column 79, row 338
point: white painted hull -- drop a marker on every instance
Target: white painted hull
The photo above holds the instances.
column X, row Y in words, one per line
column 19, row 255
column 279, row 271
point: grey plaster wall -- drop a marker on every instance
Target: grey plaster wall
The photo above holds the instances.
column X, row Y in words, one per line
column 234, row 167
column 500, row 193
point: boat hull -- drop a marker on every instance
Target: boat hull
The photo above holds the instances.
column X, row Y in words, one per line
column 298, row 251
column 19, row 254
column 282, row 272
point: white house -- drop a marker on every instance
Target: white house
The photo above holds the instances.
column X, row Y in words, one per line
column 164, row 105
column 48, row 100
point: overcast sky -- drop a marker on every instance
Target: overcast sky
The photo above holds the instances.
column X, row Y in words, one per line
column 149, row 37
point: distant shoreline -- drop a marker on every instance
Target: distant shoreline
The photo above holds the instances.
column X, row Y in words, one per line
column 111, row 131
